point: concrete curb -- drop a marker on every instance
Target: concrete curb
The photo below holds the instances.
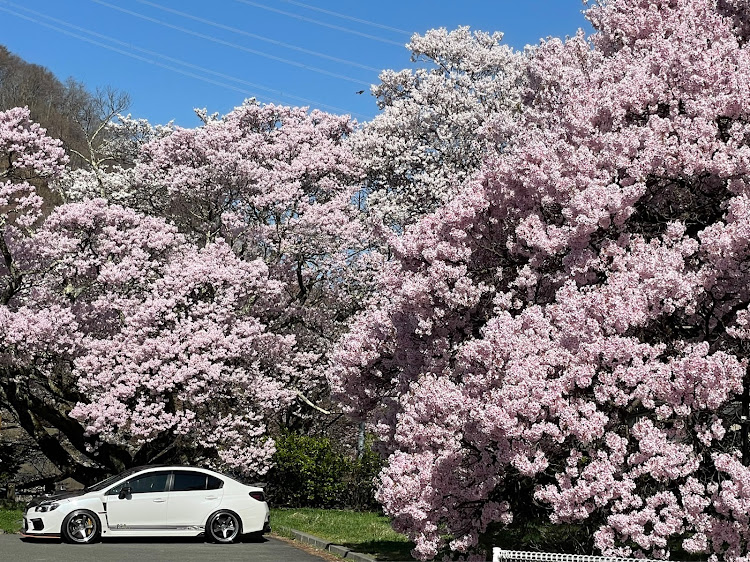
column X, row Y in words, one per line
column 323, row 544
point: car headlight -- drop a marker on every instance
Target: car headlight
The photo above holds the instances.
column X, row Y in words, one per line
column 46, row 507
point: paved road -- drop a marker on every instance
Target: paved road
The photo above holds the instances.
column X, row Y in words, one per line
column 13, row 548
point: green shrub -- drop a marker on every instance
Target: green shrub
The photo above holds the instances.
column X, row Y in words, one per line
column 310, row 472
column 361, row 481
column 307, row 472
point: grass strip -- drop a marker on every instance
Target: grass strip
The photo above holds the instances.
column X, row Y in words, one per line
column 365, row 532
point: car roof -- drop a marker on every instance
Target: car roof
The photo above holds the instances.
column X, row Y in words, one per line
column 155, row 467
column 185, row 467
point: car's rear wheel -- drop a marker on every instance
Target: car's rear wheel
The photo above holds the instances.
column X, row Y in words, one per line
column 80, row 527
column 223, row 527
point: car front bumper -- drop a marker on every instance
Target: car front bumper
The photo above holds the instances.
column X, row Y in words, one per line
column 37, row 524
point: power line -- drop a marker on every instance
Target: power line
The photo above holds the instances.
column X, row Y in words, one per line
column 230, row 44
column 115, row 49
column 184, row 63
column 165, row 57
column 318, row 22
column 258, row 37
column 346, row 17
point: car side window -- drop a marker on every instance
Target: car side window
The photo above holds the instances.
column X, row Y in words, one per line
column 214, row 483
column 151, row 482
column 186, row 481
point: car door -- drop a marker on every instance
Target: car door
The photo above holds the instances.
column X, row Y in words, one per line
column 193, row 497
column 145, row 507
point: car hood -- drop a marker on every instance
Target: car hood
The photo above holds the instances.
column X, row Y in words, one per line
column 55, row 497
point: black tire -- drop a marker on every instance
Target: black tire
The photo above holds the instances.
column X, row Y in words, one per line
column 81, row 527
column 223, row 527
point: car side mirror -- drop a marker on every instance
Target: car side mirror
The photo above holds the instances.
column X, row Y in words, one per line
column 125, row 492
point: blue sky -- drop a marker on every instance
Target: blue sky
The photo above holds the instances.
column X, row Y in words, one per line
column 174, row 55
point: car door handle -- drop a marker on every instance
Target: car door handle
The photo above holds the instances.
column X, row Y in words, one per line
column 212, row 497
column 159, row 500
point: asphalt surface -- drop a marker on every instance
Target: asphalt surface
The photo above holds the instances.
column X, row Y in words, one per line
column 14, row 548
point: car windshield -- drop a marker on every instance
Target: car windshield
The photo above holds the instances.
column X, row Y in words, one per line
column 112, row 479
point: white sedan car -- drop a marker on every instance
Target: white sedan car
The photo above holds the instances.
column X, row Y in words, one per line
column 152, row 501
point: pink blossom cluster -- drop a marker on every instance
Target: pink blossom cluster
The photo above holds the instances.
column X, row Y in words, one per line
column 181, row 346
column 577, row 316
column 277, row 184
column 29, row 155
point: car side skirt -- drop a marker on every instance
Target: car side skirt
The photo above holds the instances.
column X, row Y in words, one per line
column 154, row 531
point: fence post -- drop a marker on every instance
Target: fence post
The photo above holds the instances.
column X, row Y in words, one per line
column 11, row 491
column 496, row 554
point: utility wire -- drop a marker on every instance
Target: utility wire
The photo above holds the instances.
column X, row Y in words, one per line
column 230, row 44
column 318, row 22
column 165, row 57
column 346, row 17
column 258, row 37
column 115, row 49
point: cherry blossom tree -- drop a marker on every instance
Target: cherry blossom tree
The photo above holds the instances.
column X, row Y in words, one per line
column 428, row 137
column 29, row 159
column 124, row 343
column 158, row 348
column 277, row 184
column 93, row 120
column 176, row 358
column 110, row 169
column 569, row 335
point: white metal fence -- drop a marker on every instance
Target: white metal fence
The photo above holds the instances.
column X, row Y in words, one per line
column 500, row 555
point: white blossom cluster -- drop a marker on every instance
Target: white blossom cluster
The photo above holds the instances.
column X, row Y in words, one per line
column 429, row 137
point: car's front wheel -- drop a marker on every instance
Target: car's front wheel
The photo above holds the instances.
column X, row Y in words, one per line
column 80, row 527
column 223, row 526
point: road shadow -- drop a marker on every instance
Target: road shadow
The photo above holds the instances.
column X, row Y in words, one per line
column 251, row 538
column 384, row 550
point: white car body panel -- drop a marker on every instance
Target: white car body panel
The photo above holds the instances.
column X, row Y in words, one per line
column 152, row 514
column 139, row 510
column 192, row 507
